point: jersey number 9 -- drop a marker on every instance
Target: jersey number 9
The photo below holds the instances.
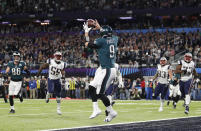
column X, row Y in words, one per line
column 112, row 51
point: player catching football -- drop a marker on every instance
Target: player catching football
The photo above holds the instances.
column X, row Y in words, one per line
column 106, row 47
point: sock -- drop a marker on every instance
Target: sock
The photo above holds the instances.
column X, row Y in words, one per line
column 187, row 100
column 110, row 98
column 58, row 99
column 109, row 109
column 162, row 102
column 47, row 95
column 11, row 102
column 95, row 106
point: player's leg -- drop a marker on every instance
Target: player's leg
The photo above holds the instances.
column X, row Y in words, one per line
column 11, row 90
column 109, row 77
column 50, row 90
column 187, row 89
column 163, row 94
column 108, row 93
column 182, row 86
column 57, row 91
column 176, row 95
column 93, row 87
column 170, row 94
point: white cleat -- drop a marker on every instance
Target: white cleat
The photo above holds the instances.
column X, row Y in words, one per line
column 160, row 109
column 59, row 112
column 95, row 114
column 110, row 116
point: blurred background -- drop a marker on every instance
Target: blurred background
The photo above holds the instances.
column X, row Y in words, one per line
column 147, row 30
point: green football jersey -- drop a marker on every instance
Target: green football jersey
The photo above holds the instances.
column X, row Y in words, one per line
column 107, row 48
column 16, row 70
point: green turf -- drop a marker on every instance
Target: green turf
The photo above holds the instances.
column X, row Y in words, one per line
column 38, row 115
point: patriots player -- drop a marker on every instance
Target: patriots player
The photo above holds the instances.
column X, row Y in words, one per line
column 106, row 47
column 14, row 70
column 187, row 70
column 163, row 73
column 56, row 72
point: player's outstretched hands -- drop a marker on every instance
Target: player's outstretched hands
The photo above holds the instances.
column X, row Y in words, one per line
column 86, row 28
column 97, row 25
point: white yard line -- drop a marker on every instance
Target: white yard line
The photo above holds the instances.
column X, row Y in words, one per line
column 119, row 123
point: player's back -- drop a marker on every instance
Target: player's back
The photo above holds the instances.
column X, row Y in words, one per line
column 107, row 51
column 55, row 68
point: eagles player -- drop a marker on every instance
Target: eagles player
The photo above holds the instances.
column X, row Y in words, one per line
column 56, row 71
column 174, row 90
column 187, row 70
column 106, row 47
column 14, row 70
column 163, row 73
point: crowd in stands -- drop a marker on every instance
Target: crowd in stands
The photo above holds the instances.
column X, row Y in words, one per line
column 134, row 48
column 49, row 6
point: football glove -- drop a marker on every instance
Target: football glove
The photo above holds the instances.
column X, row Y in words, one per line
column 86, row 28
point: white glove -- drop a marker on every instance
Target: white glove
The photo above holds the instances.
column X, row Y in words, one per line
column 86, row 28
column 120, row 85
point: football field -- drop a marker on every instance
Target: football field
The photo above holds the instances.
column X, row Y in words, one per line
column 37, row 115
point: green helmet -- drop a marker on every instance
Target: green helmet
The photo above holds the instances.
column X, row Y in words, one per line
column 106, row 30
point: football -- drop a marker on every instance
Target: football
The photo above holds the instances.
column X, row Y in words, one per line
column 91, row 22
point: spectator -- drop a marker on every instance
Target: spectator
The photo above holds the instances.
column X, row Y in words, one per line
column 72, row 87
column 143, row 88
column 32, row 87
column 77, row 88
column 82, row 89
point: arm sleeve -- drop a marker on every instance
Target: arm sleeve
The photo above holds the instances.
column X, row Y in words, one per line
column 92, row 46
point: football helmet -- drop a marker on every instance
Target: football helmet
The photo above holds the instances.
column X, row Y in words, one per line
column 106, row 31
column 188, row 57
column 16, row 56
column 57, row 56
column 163, row 61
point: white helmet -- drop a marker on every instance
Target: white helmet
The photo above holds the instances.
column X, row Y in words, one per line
column 17, row 59
column 57, row 56
column 188, row 57
column 163, row 61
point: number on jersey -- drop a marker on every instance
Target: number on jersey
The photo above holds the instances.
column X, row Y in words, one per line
column 55, row 71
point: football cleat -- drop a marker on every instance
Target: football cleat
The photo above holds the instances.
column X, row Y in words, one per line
column 59, row 112
column 110, row 116
column 160, row 109
column 95, row 114
column 21, row 99
column 186, row 110
column 47, row 100
column 12, row 111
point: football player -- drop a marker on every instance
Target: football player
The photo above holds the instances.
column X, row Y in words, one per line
column 110, row 91
column 106, row 47
column 14, row 70
column 174, row 90
column 56, row 72
column 163, row 73
column 187, row 70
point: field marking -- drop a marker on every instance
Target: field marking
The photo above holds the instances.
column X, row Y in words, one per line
column 119, row 123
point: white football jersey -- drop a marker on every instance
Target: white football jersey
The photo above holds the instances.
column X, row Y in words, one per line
column 55, row 69
column 163, row 74
column 187, row 66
